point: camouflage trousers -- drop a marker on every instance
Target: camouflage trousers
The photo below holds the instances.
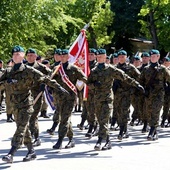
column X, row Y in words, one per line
column 91, row 116
column 33, row 124
column 166, row 107
column 103, row 110
column 153, row 104
column 22, row 134
column 65, row 108
column 122, row 106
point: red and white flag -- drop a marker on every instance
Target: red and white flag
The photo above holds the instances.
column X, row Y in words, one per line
column 78, row 53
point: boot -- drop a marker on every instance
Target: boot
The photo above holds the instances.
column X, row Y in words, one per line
column 151, row 133
column 79, row 108
column 37, row 141
column 89, row 132
column 9, row 118
column 125, row 134
column 75, row 108
column 70, row 144
column 132, row 122
column 44, row 114
column 97, row 147
column 108, row 144
column 58, row 145
column 80, row 126
column 51, row 131
column 113, row 124
column 145, row 129
column 31, row 155
column 120, row 136
column 163, row 123
column 95, row 130
column 9, row 157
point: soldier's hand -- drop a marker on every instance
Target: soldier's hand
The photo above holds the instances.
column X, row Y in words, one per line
column 9, row 80
column 141, row 88
column 97, row 83
column 42, row 87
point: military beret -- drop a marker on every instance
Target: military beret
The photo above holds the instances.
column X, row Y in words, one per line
column 114, row 55
column 45, row 62
column 17, row 48
column 38, row 57
column 10, row 60
column 153, row 51
column 24, row 61
column 166, row 59
column 145, row 54
column 64, row 52
column 31, row 50
column 100, row 51
column 122, row 52
column 57, row 51
column 1, row 61
column 137, row 57
column 92, row 50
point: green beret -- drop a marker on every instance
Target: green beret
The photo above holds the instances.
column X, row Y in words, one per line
column 31, row 50
column 153, row 51
column 145, row 54
column 45, row 62
column 100, row 51
column 137, row 57
column 38, row 57
column 115, row 55
column 92, row 50
column 57, row 51
column 17, row 48
column 166, row 59
column 64, row 52
column 122, row 52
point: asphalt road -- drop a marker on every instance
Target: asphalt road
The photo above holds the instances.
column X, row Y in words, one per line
column 130, row 154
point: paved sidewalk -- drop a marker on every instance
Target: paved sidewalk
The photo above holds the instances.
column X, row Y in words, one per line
column 130, row 154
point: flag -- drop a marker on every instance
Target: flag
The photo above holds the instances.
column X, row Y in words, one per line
column 78, row 55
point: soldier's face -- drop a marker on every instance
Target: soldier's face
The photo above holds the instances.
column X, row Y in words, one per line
column 115, row 61
column 137, row 63
column 18, row 57
column 122, row 59
column 155, row 58
column 145, row 60
column 64, row 58
column 101, row 58
column 57, row 57
column 31, row 57
column 92, row 56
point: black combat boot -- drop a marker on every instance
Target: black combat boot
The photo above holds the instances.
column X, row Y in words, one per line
column 113, row 124
column 151, row 133
column 145, row 127
column 125, row 133
column 75, row 108
column 58, row 145
column 97, row 147
column 163, row 123
column 52, row 130
column 9, row 157
column 120, row 136
column 89, row 132
column 31, row 155
column 132, row 122
column 108, row 144
column 80, row 126
column 44, row 114
column 70, row 144
column 9, row 119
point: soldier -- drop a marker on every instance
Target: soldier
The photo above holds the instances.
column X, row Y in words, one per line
column 21, row 78
column 101, row 80
column 123, row 93
column 57, row 60
column 31, row 56
column 2, row 91
column 114, row 59
column 68, row 75
column 166, row 104
column 137, row 61
column 152, row 78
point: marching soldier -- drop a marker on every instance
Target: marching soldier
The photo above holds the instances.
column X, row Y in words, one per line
column 21, row 78
column 101, row 80
column 152, row 78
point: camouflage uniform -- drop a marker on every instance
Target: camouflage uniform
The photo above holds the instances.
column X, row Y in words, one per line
column 123, row 97
column 101, row 80
column 21, row 78
column 155, row 93
column 33, row 125
column 65, row 104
